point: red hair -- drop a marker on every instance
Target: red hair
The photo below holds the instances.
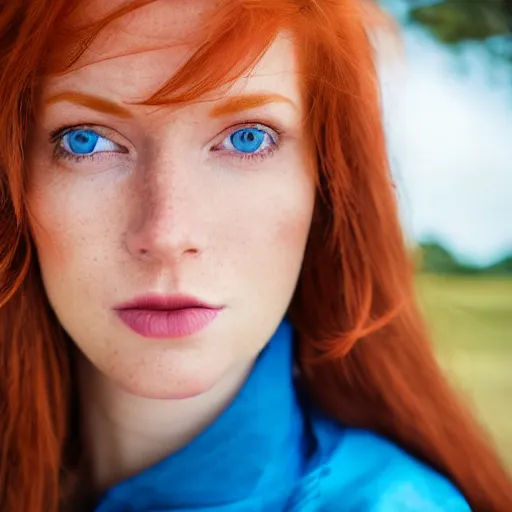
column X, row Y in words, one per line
column 363, row 348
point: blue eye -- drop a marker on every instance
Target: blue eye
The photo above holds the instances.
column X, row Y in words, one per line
column 83, row 142
column 251, row 141
column 248, row 140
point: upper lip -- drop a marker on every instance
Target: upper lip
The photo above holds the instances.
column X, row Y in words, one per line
column 165, row 303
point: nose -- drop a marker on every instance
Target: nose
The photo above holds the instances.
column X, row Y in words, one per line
column 165, row 224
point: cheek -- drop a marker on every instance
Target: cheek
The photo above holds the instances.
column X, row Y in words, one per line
column 69, row 217
column 63, row 226
column 49, row 231
column 285, row 238
column 280, row 222
column 293, row 224
column 289, row 210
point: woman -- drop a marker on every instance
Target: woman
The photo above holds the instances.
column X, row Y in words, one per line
column 206, row 303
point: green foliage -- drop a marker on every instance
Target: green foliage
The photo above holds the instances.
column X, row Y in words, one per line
column 436, row 259
column 502, row 267
column 452, row 22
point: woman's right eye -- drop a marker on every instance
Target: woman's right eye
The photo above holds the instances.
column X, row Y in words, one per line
column 84, row 142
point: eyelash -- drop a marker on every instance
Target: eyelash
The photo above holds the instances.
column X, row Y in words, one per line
column 266, row 153
column 56, row 139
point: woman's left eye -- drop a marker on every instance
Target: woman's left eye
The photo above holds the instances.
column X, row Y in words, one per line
column 251, row 140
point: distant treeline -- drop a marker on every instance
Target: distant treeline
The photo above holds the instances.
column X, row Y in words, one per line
column 433, row 257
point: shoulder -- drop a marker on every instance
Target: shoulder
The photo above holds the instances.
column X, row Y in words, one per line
column 357, row 470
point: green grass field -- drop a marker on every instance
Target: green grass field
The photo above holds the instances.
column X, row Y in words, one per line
column 471, row 322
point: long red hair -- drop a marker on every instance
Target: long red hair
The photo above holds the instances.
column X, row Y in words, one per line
column 363, row 347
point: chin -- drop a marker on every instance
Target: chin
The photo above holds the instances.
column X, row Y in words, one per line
column 157, row 388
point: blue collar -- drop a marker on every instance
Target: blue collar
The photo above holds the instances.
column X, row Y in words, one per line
column 250, row 457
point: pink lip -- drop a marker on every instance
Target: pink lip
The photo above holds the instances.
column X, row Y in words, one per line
column 175, row 316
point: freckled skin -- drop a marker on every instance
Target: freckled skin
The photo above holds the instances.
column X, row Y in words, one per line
column 169, row 215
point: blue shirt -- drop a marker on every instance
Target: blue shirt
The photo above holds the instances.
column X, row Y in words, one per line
column 267, row 452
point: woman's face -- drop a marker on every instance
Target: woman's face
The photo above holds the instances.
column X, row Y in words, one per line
column 211, row 200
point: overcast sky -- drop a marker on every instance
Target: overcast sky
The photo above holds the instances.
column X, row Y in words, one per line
column 450, row 135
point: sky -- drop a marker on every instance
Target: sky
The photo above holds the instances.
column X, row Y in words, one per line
column 449, row 126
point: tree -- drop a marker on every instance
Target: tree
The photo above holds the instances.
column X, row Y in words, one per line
column 433, row 257
column 458, row 21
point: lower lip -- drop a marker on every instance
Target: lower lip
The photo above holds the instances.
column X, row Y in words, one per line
column 177, row 323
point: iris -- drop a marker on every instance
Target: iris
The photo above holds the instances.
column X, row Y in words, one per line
column 248, row 140
column 81, row 142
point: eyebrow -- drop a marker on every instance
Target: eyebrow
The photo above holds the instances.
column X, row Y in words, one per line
column 235, row 104
column 90, row 101
column 230, row 106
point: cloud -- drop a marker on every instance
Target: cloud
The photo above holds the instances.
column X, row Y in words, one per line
column 450, row 138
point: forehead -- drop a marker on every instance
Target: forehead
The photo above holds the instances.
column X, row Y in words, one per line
column 156, row 24
column 137, row 53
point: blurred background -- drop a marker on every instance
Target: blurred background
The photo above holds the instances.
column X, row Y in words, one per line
column 446, row 73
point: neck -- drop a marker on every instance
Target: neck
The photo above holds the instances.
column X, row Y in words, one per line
column 123, row 434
